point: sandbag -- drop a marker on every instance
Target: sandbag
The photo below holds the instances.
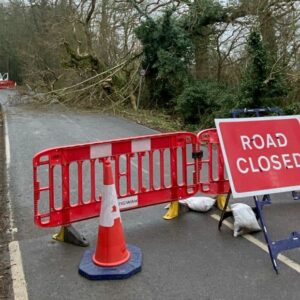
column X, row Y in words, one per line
column 244, row 219
column 199, row 203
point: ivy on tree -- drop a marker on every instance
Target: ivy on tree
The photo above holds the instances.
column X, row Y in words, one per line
column 259, row 87
column 167, row 55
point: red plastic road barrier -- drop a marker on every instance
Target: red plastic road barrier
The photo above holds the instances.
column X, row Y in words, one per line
column 262, row 154
column 148, row 170
column 213, row 179
column 7, row 84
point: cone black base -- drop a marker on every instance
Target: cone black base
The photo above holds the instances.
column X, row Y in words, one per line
column 88, row 269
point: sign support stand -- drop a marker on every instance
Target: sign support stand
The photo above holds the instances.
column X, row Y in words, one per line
column 275, row 247
column 296, row 195
column 259, row 204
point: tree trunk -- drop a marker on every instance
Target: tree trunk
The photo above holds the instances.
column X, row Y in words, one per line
column 201, row 44
column 267, row 28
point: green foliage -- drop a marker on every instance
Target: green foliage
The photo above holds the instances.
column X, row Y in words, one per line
column 292, row 108
column 202, row 101
column 253, row 87
column 167, row 56
column 260, row 86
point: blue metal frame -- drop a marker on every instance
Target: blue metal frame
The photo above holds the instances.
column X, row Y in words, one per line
column 296, row 195
column 275, row 247
column 259, row 112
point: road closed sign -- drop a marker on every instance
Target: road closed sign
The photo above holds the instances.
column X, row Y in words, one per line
column 262, row 155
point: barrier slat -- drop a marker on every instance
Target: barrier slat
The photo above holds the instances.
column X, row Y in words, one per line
column 79, row 182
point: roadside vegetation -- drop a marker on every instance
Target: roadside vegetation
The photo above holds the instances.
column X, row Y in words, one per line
column 176, row 64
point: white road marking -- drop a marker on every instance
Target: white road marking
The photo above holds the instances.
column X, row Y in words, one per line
column 7, row 145
column 17, row 273
column 18, row 279
column 12, row 230
column 287, row 261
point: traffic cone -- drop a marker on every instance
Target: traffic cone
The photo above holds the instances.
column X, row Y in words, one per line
column 112, row 258
column 111, row 248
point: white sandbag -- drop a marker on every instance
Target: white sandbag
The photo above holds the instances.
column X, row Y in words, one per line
column 201, row 204
column 244, row 219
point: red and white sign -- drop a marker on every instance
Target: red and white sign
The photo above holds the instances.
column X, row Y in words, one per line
column 262, row 155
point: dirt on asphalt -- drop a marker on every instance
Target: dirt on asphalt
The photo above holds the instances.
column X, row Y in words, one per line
column 5, row 272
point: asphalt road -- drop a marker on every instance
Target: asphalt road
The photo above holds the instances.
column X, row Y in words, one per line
column 185, row 258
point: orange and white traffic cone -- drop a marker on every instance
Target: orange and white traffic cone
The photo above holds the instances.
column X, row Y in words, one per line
column 112, row 258
column 111, row 248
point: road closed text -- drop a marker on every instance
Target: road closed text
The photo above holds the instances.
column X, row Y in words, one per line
column 266, row 163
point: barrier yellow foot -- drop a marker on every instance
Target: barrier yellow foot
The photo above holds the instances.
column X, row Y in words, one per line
column 173, row 211
column 69, row 234
column 221, row 200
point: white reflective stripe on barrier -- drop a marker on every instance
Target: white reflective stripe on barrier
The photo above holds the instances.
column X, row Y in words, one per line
column 97, row 151
column 141, row 145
